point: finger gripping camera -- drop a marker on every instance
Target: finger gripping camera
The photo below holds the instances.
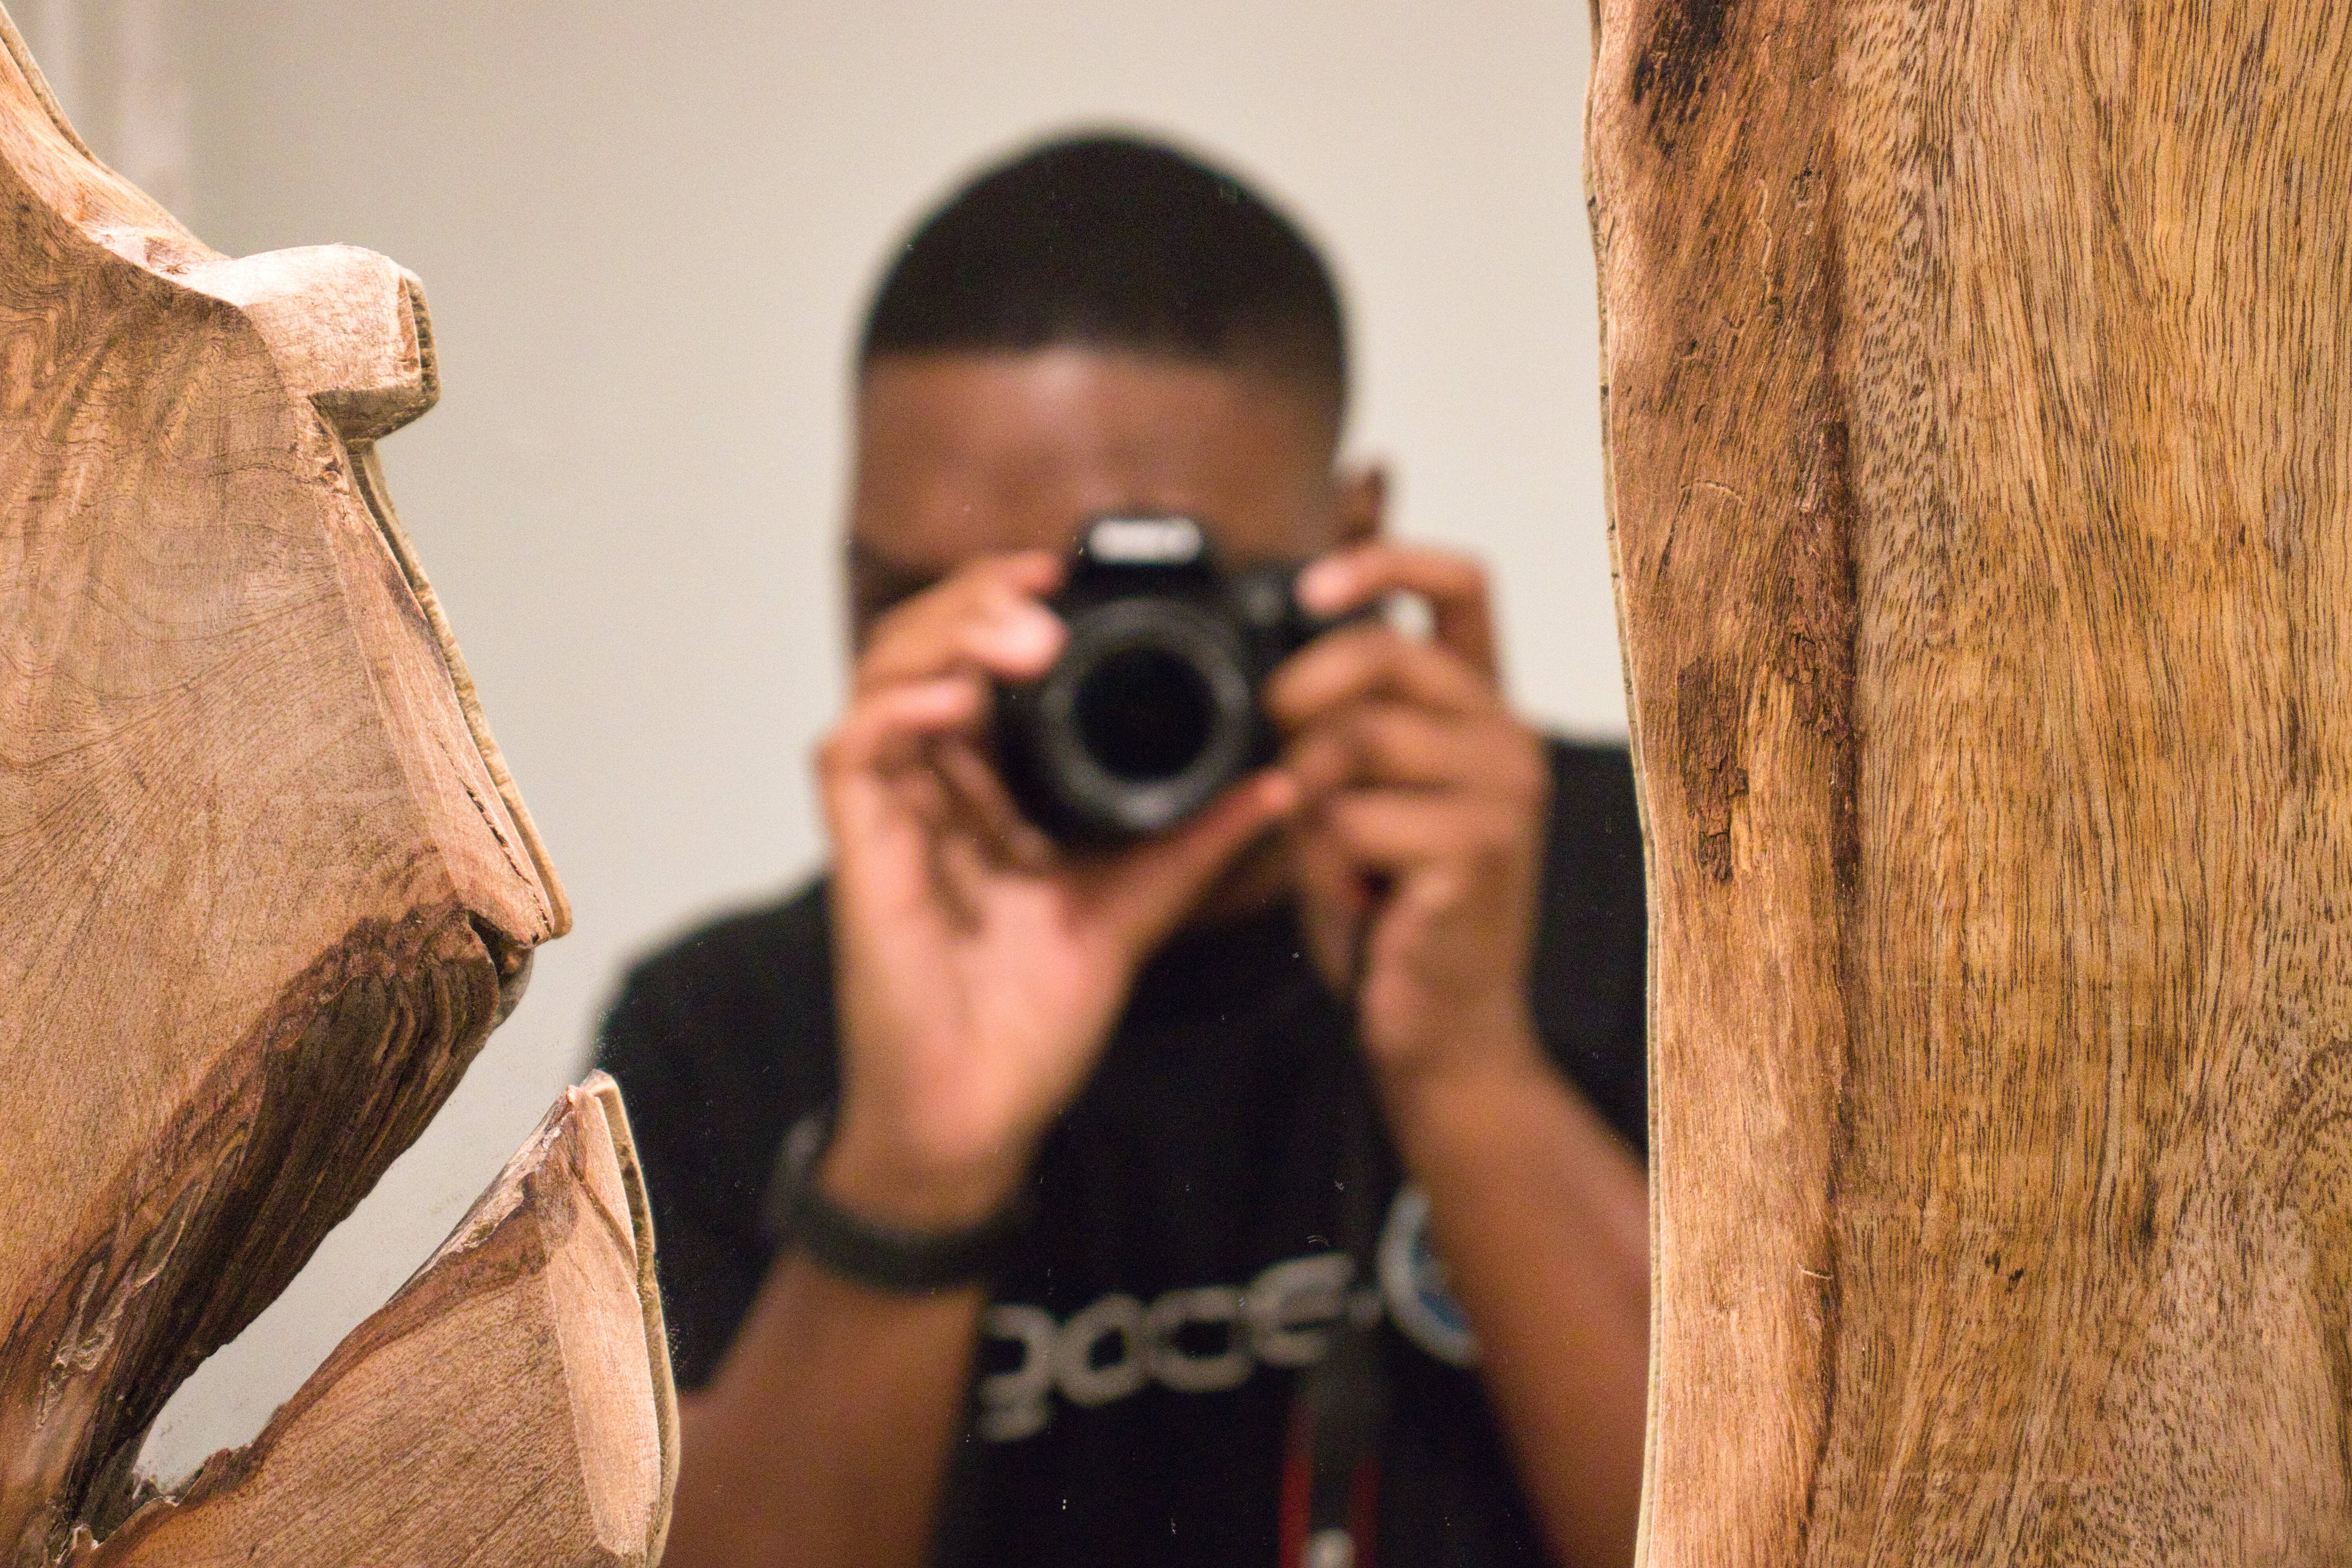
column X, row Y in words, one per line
column 1152, row 710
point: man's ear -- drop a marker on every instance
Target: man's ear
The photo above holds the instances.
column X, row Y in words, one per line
column 1363, row 502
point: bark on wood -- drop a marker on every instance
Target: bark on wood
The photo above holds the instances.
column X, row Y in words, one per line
column 265, row 885
column 1978, row 389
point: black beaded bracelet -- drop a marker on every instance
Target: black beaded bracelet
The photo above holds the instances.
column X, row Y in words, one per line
column 795, row 1213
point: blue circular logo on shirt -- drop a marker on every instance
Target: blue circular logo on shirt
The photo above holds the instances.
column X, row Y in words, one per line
column 1412, row 1280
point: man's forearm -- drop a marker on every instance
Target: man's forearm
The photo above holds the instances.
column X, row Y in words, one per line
column 1541, row 1214
column 823, row 1438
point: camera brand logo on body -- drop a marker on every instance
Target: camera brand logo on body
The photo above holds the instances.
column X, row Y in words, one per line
column 1204, row 1339
column 1145, row 542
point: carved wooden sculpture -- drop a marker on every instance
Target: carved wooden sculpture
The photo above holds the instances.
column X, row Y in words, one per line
column 265, row 888
column 1980, row 416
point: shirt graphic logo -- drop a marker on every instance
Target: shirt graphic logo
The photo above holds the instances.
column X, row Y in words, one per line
column 1412, row 1280
column 1204, row 1339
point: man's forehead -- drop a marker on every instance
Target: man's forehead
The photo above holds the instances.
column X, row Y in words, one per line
column 968, row 454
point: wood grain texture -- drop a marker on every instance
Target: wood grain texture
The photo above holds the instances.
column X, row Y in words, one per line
column 511, row 1405
column 265, row 884
column 1978, row 388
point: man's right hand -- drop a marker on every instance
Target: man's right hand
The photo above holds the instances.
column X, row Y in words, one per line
column 979, row 971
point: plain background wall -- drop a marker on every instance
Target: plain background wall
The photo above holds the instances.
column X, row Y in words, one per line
column 645, row 232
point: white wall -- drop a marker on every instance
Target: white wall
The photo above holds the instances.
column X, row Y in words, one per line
column 645, row 232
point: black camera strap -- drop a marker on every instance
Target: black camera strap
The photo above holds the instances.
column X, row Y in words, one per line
column 1331, row 1478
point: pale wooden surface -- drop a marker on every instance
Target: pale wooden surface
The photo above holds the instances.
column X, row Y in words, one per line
column 1977, row 390
column 511, row 1405
column 265, row 885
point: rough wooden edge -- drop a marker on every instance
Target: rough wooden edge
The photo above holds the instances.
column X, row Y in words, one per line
column 1649, row 903
column 475, row 1262
column 367, row 475
column 641, row 1216
column 23, row 57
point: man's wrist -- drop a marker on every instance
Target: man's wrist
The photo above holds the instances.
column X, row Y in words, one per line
column 898, row 1256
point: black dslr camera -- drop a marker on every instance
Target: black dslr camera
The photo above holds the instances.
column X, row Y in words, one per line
column 1152, row 709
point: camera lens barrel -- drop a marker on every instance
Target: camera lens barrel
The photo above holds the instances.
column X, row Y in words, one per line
column 1152, row 710
column 1150, row 713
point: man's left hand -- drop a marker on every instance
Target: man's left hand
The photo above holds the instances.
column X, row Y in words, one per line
column 1419, row 837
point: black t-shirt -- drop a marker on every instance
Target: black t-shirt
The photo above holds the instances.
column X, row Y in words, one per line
column 1137, row 1361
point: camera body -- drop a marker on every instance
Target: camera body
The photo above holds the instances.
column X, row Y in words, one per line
column 1152, row 710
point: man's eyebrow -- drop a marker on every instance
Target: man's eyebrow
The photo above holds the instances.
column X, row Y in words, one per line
column 866, row 555
column 879, row 581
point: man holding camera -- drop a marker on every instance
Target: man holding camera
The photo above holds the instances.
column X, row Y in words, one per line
column 1025, row 1203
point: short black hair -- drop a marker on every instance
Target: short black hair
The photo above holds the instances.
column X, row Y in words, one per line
column 1113, row 242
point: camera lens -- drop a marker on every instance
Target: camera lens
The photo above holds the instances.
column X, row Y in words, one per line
column 1150, row 713
column 1144, row 713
